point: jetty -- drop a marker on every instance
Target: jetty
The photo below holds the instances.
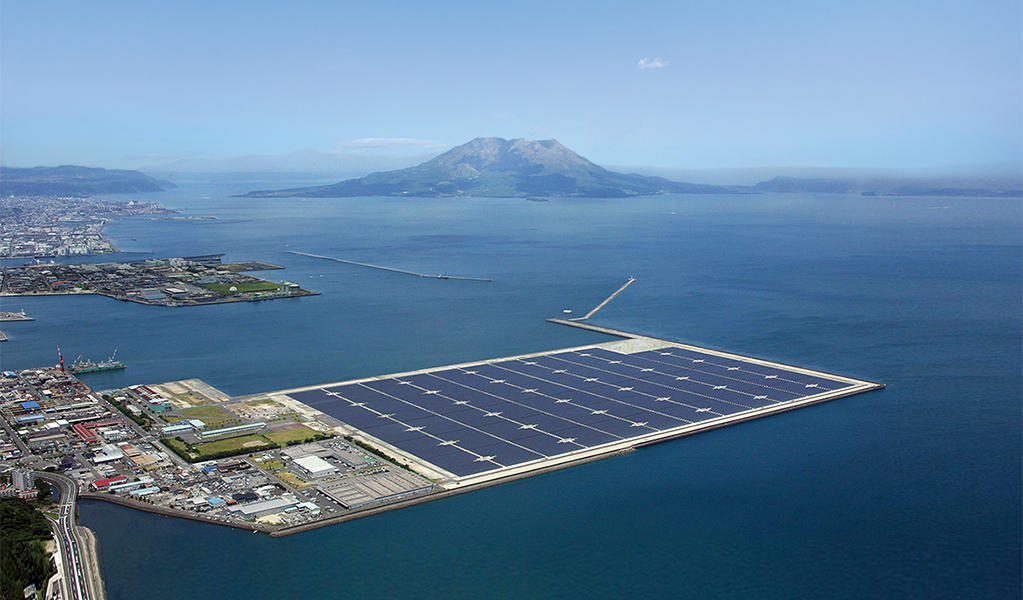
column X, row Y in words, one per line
column 606, row 300
column 392, row 269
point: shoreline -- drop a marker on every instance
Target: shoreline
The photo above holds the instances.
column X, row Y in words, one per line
column 357, row 514
column 144, row 303
column 99, row 589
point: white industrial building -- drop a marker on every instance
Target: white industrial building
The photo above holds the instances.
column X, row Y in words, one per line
column 107, row 453
column 315, row 466
column 263, row 507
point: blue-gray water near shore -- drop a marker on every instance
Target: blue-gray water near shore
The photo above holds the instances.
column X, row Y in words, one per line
column 913, row 491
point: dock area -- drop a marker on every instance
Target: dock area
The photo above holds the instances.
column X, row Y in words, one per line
column 14, row 316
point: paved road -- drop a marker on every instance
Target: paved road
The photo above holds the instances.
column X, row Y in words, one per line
column 77, row 581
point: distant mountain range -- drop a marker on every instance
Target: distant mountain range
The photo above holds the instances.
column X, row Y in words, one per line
column 975, row 187
column 71, row 180
column 500, row 168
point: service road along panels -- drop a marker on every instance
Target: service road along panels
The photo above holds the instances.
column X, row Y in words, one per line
column 470, row 423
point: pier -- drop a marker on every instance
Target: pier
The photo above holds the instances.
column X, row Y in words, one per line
column 606, row 300
column 392, row 269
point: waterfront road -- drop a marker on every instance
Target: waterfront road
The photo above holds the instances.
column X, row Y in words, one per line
column 80, row 582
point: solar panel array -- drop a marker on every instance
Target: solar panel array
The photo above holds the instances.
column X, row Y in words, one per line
column 468, row 420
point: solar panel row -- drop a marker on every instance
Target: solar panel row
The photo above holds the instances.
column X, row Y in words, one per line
column 475, row 419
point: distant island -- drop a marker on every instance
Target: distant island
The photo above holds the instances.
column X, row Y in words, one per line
column 73, row 180
column 499, row 168
column 893, row 186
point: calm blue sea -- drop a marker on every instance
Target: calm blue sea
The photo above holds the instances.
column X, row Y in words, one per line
column 910, row 492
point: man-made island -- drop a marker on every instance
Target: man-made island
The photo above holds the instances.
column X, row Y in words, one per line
column 287, row 461
column 188, row 281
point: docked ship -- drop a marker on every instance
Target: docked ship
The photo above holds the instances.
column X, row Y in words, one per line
column 84, row 365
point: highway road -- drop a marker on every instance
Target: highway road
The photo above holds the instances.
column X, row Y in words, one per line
column 78, row 582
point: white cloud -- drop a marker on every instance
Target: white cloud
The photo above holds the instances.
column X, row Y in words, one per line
column 652, row 63
column 390, row 144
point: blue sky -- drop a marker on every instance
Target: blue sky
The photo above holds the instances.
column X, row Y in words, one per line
column 726, row 84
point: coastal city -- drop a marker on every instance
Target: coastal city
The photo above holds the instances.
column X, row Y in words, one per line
column 186, row 449
column 51, row 226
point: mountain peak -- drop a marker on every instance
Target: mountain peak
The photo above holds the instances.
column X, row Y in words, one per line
column 497, row 167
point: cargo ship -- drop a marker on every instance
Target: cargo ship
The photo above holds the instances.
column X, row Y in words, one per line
column 87, row 366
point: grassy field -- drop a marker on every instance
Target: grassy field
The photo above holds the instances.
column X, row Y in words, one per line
column 220, row 448
column 230, row 444
column 291, row 435
column 243, row 286
column 214, row 416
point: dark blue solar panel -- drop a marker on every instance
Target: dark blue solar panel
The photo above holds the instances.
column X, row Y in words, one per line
column 520, row 410
column 681, row 356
